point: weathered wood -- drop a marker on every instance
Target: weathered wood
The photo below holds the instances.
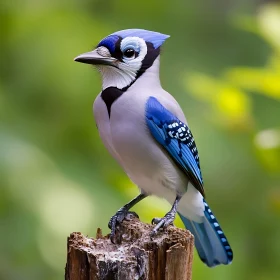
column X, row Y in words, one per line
column 167, row 256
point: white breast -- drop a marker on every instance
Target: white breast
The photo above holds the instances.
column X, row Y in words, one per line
column 103, row 124
column 130, row 142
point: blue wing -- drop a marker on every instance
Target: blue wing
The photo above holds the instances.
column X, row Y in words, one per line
column 176, row 138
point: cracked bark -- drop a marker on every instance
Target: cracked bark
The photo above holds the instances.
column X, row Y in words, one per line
column 167, row 256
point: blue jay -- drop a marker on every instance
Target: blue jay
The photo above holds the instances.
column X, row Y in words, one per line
column 145, row 130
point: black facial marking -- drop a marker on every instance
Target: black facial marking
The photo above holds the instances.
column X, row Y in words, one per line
column 118, row 53
column 109, row 96
column 147, row 62
column 149, row 59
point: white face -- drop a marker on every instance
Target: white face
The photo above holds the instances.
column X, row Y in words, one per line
column 132, row 51
column 124, row 56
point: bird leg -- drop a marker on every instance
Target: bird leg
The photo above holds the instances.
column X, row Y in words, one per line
column 122, row 213
column 168, row 219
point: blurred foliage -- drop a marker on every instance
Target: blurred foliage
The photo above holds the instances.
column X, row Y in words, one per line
column 222, row 64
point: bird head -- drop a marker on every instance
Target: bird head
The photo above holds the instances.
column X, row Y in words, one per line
column 124, row 56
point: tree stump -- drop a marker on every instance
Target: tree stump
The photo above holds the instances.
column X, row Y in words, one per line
column 136, row 255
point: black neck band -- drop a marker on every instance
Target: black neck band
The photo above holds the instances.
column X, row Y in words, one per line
column 111, row 94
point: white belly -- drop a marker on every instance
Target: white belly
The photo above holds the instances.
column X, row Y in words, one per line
column 146, row 162
column 148, row 165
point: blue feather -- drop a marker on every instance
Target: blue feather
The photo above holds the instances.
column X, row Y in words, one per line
column 109, row 42
column 156, row 38
column 176, row 138
column 210, row 241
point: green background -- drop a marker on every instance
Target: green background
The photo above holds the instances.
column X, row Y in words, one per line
column 222, row 63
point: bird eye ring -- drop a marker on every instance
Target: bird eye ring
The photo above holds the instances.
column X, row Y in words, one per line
column 129, row 53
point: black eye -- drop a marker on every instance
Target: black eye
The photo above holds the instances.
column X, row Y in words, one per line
column 129, row 53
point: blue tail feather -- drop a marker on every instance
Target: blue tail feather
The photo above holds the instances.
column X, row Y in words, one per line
column 210, row 241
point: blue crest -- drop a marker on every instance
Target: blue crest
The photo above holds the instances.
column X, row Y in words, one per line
column 156, row 38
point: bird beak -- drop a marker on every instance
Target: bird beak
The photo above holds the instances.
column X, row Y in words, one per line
column 95, row 58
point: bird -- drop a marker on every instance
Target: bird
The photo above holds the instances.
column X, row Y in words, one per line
column 144, row 128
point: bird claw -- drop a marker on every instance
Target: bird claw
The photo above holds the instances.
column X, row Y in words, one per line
column 117, row 219
column 163, row 223
column 155, row 221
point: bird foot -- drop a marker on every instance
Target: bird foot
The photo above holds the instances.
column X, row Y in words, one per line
column 167, row 220
column 117, row 219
